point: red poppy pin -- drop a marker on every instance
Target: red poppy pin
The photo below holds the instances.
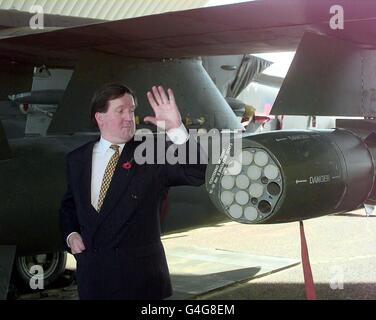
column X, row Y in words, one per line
column 127, row 165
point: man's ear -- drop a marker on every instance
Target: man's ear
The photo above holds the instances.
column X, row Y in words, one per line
column 99, row 118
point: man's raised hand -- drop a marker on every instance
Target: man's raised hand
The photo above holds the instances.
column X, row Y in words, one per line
column 167, row 115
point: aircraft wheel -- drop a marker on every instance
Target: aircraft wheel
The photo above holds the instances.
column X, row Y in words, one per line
column 53, row 265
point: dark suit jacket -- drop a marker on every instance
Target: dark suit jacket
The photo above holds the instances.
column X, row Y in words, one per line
column 124, row 256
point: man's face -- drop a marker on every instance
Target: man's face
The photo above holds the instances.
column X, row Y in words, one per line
column 117, row 125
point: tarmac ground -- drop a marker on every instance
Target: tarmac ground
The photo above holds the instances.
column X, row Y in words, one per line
column 233, row 261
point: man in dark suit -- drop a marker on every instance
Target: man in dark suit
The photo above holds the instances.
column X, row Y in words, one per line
column 109, row 215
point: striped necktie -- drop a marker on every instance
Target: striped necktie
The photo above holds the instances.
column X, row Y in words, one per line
column 108, row 175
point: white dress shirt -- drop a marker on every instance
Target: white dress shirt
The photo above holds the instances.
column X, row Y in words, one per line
column 102, row 154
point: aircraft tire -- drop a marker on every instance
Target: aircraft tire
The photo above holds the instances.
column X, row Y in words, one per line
column 53, row 265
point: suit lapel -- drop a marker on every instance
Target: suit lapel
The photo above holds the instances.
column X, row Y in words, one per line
column 85, row 180
column 120, row 180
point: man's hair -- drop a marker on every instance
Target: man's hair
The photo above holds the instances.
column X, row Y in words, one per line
column 101, row 98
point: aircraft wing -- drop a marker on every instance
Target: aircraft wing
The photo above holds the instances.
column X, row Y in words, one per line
column 15, row 76
column 254, row 26
column 14, row 23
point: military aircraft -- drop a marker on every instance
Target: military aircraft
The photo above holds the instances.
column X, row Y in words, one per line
column 331, row 75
